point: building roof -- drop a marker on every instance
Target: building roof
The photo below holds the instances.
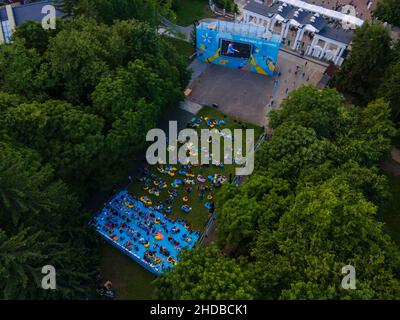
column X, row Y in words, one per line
column 317, row 22
column 288, row 9
column 3, row 14
column 302, row 16
column 325, row 12
column 32, row 11
column 339, row 35
column 260, row 8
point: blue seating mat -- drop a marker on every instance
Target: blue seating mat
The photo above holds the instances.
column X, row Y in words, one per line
column 128, row 225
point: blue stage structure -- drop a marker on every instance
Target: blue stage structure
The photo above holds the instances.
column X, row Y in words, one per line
column 145, row 235
column 235, row 45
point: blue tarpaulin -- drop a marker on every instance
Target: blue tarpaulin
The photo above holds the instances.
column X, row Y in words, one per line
column 144, row 234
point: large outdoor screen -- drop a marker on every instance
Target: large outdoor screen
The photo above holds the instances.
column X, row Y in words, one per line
column 235, row 49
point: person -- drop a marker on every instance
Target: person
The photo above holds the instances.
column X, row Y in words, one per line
column 231, row 49
column 212, row 208
column 108, row 285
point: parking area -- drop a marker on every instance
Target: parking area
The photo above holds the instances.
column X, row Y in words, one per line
column 249, row 96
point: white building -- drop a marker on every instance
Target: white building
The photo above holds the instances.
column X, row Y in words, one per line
column 309, row 29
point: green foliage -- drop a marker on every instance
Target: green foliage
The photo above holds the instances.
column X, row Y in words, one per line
column 107, row 11
column 310, row 107
column 29, row 193
column 75, row 105
column 388, row 11
column 9, row 101
column 361, row 73
column 40, row 224
column 229, row 5
column 366, row 137
column 34, row 36
column 254, row 206
column 205, row 274
column 65, row 136
column 327, row 227
column 19, row 69
column 118, row 80
column 292, row 148
column 20, row 258
column 390, row 88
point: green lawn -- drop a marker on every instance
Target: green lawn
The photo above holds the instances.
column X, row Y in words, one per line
column 391, row 211
column 131, row 281
column 190, row 10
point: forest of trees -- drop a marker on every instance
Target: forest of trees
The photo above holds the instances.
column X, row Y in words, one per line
column 75, row 105
column 310, row 208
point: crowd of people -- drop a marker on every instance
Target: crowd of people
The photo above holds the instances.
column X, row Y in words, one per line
column 153, row 239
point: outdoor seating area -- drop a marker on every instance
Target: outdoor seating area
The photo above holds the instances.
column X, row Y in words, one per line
column 167, row 206
column 143, row 233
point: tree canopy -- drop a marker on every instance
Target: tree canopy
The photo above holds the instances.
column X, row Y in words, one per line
column 388, row 11
column 205, row 274
column 361, row 73
column 75, row 105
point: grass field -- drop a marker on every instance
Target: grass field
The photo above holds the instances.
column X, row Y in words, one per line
column 391, row 211
column 131, row 281
column 190, row 10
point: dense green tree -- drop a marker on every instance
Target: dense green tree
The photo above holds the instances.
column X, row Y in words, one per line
column 292, row 147
column 321, row 213
column 366, row 136
column 59, row 130
column 19, row 70
column 388, row 11
column 368, row 181
column 35, row 36
column 20, row 259
column 107, row 11
column 29, row 194
column 327, row 227
column 310, row 107
column 115, row 95
column 68, row 138
column 390, row 88
column 9, row 101
column 361, row 74
column 202, row 274
column 255, row 206
column 68, row 7
column 77, row 59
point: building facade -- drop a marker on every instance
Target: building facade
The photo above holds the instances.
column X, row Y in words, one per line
column 308, row 29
